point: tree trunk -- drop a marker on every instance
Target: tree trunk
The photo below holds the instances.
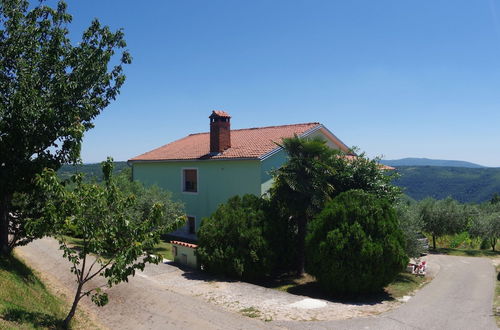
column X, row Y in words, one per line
column 301, row 250
column 434, row 242
column 4, row 225
column 71, row 313
column 493, row 243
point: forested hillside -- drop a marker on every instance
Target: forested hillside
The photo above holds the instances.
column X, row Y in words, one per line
column 91, row 171
column 466, row 185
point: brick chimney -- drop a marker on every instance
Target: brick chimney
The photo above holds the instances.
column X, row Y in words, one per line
column 220, row 131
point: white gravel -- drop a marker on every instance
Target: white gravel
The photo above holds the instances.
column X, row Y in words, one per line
column 309, row 303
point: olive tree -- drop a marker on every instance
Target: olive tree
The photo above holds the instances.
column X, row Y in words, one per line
column 411, row 224
column 442, row 217
column 51, row 90
column 117, row 238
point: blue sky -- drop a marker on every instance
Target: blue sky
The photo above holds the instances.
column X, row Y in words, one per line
column 395, row 78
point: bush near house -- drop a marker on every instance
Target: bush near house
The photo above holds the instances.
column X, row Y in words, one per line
column 355, row 245
column 231, row 241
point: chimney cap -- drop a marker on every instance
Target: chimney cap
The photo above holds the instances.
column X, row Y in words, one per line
column 219, row 113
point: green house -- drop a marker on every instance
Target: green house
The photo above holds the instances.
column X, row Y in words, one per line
column 205, row 169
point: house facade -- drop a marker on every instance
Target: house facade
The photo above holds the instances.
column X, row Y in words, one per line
column 204, row 170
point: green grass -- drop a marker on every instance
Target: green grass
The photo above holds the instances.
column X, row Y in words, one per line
column 25, row 302
column 405, row 284
column 163, row 248
column 466, row 252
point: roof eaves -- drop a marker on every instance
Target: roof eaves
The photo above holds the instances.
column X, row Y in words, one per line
column 343, row 147
column 278, row 148
column 133, row 161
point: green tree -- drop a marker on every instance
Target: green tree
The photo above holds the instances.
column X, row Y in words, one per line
column 355, row 244
column 357, row 171
column 411, row 224
column 231, row 241
column 50, row 92
column 486, row 224
column 442, row 217
column 119, row 238
column 301, row 185
column 314, row 174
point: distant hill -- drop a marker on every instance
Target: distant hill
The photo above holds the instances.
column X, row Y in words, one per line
column 91, row 171
column 429, row 162
column 467, row 185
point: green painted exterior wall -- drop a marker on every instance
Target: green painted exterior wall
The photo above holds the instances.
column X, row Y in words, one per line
column 217, row 182
column 267, row 165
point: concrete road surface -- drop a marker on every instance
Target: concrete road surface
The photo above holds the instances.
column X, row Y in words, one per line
column 460, row 297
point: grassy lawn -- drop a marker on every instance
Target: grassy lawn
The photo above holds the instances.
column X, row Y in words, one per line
column 163, row 248
column 25, row 303
column 403, row 285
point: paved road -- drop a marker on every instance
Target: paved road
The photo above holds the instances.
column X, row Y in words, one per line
column 460, row 297
column 140, row 303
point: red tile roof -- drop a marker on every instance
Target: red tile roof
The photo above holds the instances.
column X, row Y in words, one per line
column 250, row 143
column 189, row 245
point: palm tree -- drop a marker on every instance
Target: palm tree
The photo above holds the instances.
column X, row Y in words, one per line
column 301, row 185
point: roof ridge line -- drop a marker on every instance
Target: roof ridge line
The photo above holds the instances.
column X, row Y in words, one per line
column 251, row 128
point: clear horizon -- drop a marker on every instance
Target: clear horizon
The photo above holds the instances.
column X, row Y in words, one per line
column 398, row 79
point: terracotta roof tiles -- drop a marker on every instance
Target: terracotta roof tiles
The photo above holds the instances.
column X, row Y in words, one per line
column 189, row 245
column 250, row 143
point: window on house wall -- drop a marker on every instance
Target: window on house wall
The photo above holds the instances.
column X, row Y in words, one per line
column 191, row 225
column 190, row 180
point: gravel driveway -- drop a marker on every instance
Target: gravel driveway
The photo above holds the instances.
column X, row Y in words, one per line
column 164, row 296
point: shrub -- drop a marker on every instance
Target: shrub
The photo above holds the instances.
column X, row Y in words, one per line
column 231, row 241
column 355, row 245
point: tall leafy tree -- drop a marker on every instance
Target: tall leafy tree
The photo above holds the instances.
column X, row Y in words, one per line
column 314, row 174
column 50, row 92
column 486, row 224
column 411, row 224
column 301, row 185
column 117, row 234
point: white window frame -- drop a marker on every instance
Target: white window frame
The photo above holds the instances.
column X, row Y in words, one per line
column 197, row 181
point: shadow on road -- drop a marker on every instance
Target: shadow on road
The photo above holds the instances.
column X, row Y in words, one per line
column 305, row 286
